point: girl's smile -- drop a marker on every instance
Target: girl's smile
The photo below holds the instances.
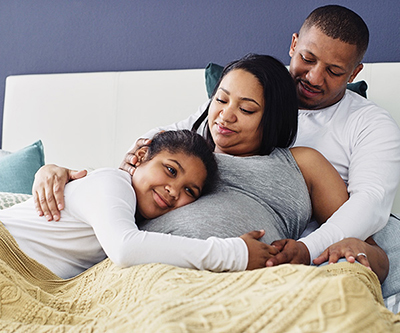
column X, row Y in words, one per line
column 166, row 182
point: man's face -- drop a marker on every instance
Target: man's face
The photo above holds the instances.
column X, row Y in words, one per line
column 321, row 68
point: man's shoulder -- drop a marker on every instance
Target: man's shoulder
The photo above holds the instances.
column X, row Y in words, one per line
column 354, row 106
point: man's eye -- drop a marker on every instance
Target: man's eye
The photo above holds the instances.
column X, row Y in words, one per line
column 308, row 61
column 335, row 74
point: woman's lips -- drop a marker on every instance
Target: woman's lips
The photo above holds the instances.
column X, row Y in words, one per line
column 161, row 201
column 223, row 130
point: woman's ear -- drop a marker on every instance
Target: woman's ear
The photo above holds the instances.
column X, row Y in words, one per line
column 141, row 155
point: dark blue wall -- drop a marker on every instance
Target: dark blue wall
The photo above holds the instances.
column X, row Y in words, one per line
column 56, row 36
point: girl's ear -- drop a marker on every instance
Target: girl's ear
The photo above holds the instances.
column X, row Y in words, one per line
column 141, row 155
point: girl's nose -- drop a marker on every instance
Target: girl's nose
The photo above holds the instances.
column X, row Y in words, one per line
column 172, row 191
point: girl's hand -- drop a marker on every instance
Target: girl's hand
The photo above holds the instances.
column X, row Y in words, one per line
column 259, row 252
column 48, row 189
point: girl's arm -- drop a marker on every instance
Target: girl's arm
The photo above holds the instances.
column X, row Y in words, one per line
column 105, row 199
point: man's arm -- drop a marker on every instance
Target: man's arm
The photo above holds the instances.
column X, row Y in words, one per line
column 48, row 189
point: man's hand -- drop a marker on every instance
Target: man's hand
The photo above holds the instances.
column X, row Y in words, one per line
column 367, row 253
column 259, row 252
column 128, row 164
column 347, row 248
column 48, row 189
column 290, row 252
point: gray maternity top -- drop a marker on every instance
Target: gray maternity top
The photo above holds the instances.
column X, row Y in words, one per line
column 257, row 192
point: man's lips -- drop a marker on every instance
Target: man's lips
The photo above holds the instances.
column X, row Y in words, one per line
column 307, row 90
column 161, row 201
column 223, row 130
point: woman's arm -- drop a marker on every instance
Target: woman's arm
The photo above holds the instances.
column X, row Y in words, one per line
column 326, row 188
column 327, row 192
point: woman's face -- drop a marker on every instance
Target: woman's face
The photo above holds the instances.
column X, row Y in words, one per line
column 166, row 182
column 235, row 114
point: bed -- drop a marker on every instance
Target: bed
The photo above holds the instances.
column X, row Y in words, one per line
column 89, row 120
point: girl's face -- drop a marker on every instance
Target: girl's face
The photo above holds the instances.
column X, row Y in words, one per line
column 235, row 114
column 166, row 182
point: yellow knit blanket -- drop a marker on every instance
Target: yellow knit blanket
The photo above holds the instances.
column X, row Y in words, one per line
column 160, row 298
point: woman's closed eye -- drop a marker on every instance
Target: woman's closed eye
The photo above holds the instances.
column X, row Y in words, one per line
column 246, row 111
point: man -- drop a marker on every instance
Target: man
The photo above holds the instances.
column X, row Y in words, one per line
column 360, row 139
column 357, row 137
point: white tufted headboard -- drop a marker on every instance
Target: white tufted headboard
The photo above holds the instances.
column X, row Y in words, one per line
column 89, row 120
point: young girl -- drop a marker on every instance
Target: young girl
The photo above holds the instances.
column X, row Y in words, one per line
column 99, row 219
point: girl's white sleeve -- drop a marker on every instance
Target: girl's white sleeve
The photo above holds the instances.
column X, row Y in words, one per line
column 106, row 200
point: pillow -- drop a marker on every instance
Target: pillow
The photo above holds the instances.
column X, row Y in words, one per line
column 17, row 170
column 214, row 71
column 359, row 87
column 10, row 199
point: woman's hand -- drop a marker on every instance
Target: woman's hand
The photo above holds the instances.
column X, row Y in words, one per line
column 259, row 252
column 48, row 189
column 367, row 253
column 290, row 252
column 128, row 164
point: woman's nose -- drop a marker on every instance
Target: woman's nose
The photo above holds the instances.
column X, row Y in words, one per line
column 228, row 114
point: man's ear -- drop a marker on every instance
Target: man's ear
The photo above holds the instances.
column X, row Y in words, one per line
column 141, row 155
column 293, row 44
column 355, row 72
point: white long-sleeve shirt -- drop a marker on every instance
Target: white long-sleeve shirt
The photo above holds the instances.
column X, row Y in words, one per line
column 362, row 141
column 99, row 221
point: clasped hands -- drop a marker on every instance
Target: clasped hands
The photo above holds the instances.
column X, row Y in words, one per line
column 295, row 252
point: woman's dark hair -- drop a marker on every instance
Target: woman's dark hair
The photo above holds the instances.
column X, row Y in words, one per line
column 189, row 143
column 279, row 120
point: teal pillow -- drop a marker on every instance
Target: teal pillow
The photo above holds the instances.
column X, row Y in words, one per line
column 359, row 87
column 214, row 71
column 17, row 170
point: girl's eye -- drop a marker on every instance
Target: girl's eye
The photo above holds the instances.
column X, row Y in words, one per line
column 171, row 170
column 190, row 192
column 219, row 100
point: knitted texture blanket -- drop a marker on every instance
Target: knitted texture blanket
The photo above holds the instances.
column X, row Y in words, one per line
column 159, row 298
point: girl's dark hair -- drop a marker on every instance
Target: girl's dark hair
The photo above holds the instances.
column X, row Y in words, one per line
column 279, row 120
column 189, row 143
